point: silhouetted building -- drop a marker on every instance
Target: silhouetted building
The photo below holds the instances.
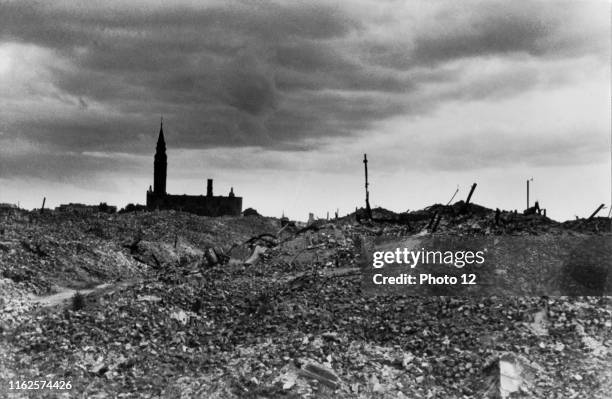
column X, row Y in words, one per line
column 208, row 205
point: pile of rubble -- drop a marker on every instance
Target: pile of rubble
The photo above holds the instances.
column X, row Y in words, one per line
column 44, row 251
column 472, row 219
column 14, row 302
column 252, row 307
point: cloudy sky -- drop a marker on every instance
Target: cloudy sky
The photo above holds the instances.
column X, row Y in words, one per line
column 281, row 99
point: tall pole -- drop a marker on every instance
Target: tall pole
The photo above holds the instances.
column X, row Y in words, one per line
column 367, row 199
column 528, row 180
column 527, row 194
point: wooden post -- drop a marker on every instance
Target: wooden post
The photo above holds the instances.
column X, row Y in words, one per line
column 42, row 208
column 470, row 194
column 596, row 211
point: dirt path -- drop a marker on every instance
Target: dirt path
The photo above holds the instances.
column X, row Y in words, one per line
column 63, row 297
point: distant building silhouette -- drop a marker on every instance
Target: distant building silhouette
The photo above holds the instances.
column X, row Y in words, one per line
column 208, row 205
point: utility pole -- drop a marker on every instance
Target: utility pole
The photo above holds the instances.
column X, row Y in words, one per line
column 367, row 198
column 531, row 179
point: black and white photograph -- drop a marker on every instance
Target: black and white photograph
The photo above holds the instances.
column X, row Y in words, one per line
column 306, row 199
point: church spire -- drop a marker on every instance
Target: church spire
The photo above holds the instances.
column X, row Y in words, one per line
column 161, row 142
column 160, row 164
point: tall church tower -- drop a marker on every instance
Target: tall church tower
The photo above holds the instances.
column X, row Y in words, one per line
column 160, row 164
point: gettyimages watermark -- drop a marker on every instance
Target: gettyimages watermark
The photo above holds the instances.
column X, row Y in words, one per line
column 413, row 258
column 501, row 266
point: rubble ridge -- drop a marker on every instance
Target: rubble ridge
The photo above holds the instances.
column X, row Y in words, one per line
column 471, row 218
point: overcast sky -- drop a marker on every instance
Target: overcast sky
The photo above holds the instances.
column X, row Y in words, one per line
column 281, row 99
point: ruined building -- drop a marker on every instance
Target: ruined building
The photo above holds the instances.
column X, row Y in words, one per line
column 206, row 205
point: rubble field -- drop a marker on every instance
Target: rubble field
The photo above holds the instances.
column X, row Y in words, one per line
column 173, row 305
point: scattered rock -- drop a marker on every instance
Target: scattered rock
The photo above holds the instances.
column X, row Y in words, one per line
column 324, row 375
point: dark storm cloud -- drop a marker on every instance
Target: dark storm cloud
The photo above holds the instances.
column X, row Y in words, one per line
column 276, row 75
column 496, row 28
column 248, row 85
column 62, row 25
column 74, row 167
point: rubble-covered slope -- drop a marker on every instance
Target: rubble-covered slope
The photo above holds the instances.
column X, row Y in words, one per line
column 295, row 322
column 45, row 250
